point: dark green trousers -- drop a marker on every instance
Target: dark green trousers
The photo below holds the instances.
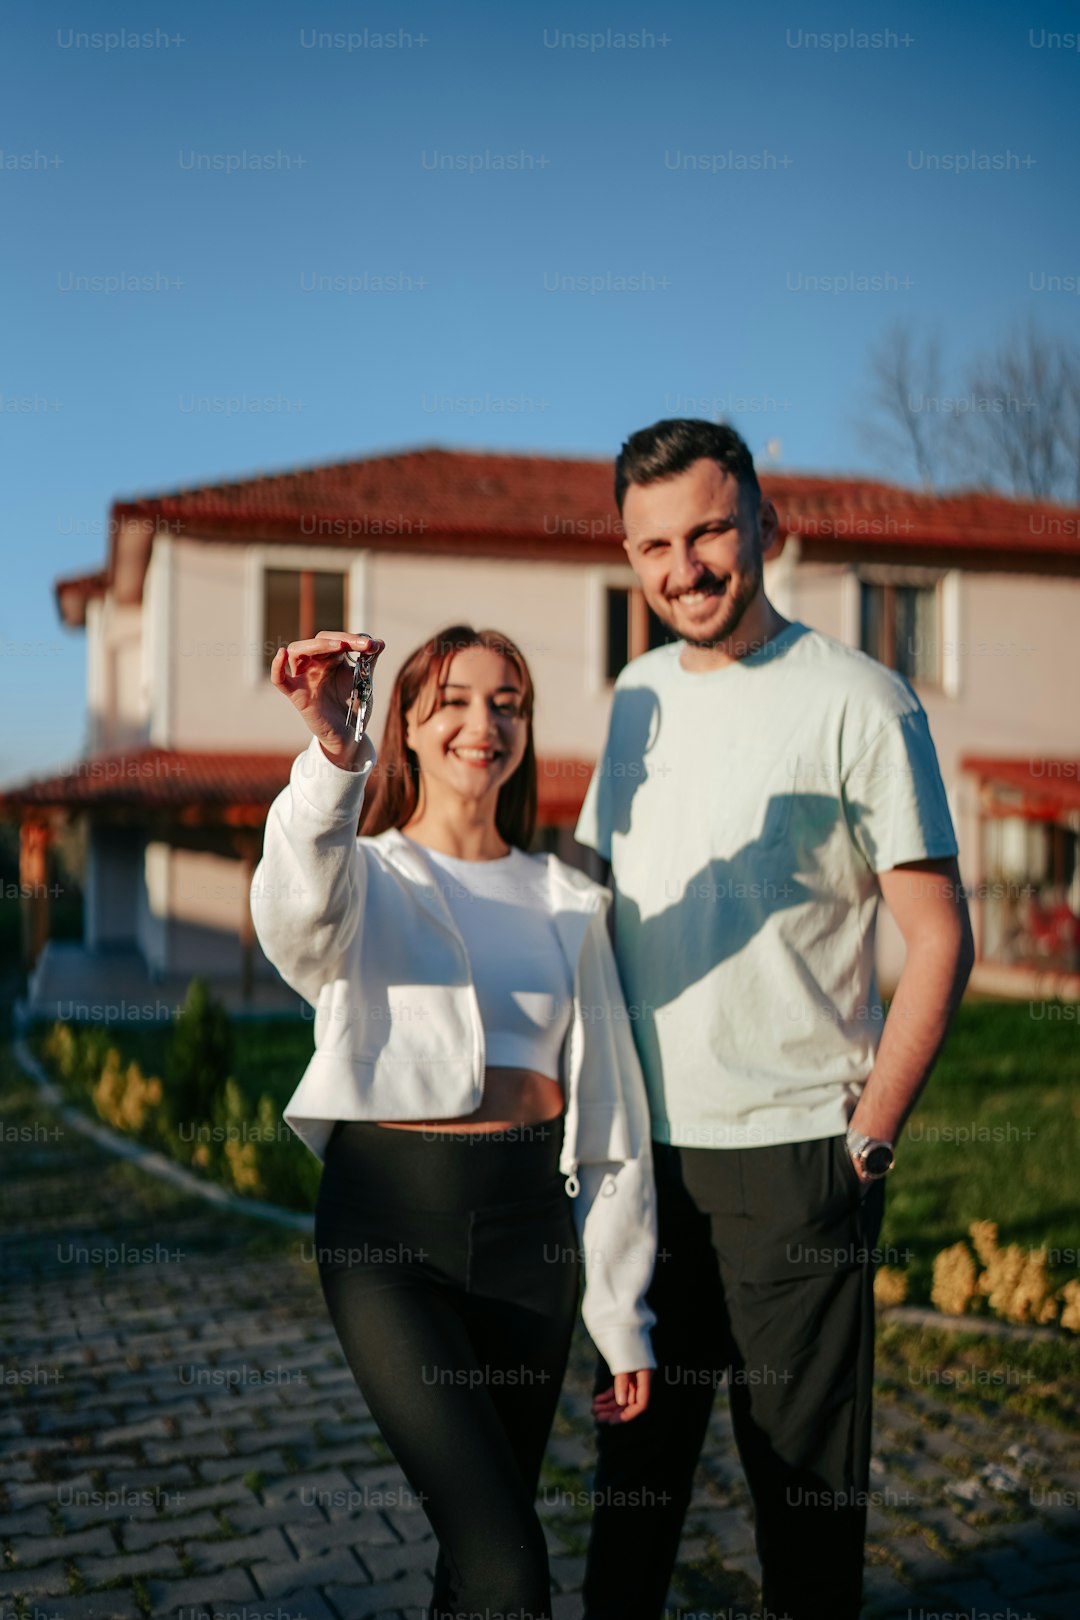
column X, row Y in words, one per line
column 763, row 1286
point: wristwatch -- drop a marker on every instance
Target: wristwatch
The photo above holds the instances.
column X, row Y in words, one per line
column 875, row 1157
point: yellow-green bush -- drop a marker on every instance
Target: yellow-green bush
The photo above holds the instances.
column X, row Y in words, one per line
column 955, row 1280
column 890, row 1286
column 240, row 1143
column 1013, row 1281
column 124, row 1096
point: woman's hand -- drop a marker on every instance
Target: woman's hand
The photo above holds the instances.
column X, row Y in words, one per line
column 317, row 681
column 627, row 1397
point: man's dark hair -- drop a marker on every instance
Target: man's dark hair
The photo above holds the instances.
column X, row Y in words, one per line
column 669, row 447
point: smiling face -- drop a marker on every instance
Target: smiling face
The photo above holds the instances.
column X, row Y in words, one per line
column 695, row 541
column 475, row 736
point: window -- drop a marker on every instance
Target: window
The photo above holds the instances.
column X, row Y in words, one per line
column 296, row 603
column 630, row 628
column 900, row 623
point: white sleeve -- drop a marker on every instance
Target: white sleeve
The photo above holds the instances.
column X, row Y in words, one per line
column 615, row 1210
column 307, row 891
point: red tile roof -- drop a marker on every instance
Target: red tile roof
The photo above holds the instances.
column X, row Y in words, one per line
column 490, row 503
column 157, row 778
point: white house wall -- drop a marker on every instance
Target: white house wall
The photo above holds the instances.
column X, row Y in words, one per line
column 117, row 705
column 208, row 896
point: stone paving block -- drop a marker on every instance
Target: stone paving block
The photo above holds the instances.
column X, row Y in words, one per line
column 131, row 1433
column 388, row 1563
column 262, row 1462
column 331, row 1481
column 163, row 1482
column 364, row 1603
column 228, row 1491
column 728, row 1528
column 32, row 1521
column 962, row 1591
column 304, row 1604
column 953, row 1530
column 353, row 1456
column 919, row 1566
column 410, row 1523
column 22, row 1471
column 212, row 1590
column 153, row 1532
column 365, row 1531
column 268, row 1543
column 172, row 1450
column 296, row 1435
column 745, row 1564
column 119, row 1463
column 281, row 1578
column 568, row 1572
column 44, row 1580
column 885, row 1596
column 85, row 1418
column 92, row 1606
column 253, row 1514
column 154, row 1561
column 182, row 1406
column 38, row 1549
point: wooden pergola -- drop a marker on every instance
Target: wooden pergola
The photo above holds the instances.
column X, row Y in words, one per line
column 212, row 802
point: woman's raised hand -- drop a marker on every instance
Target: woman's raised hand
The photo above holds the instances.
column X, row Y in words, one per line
column 317, row 680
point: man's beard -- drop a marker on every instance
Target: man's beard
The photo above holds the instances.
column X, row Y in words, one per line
column 737, row 606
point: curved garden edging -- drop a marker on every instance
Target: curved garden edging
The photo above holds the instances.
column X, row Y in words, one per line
column 148, row 1159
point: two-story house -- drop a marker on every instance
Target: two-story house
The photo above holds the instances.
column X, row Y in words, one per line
column 974, row 598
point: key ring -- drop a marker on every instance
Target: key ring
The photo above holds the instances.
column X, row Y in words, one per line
column 362, row 686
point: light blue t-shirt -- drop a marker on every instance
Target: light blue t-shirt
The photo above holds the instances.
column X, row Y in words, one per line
column 745, row 812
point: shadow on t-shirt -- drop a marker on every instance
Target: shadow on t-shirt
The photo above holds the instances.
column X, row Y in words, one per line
column 729, row 899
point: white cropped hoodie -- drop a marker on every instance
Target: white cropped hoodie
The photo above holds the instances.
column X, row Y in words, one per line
column 360, row 929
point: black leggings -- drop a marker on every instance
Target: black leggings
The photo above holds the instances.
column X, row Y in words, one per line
column 449, row 1264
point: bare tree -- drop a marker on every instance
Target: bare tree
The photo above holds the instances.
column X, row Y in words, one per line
column 1021, row 435
column 905, row 402
column 1014, row 427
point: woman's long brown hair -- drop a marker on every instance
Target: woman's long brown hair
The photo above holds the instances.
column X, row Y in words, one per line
column 394, row 784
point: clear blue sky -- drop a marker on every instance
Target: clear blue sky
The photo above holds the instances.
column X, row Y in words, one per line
column 109, row 394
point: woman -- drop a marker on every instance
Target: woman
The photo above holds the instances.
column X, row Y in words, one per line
column 473, row 1067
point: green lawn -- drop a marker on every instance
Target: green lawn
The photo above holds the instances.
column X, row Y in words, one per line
column 1012, row 1080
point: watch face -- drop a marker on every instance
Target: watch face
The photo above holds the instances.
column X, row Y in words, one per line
column 877, row 1160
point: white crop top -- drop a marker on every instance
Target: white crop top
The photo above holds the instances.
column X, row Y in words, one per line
column 521, row 976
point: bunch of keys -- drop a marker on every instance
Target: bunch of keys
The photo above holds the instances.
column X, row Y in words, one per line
column 360, row 696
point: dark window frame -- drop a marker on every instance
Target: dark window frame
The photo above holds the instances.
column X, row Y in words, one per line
column 890, row 582
column 307, row 626
column 644, row 630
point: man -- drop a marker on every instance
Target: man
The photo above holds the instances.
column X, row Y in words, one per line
column 762, row 788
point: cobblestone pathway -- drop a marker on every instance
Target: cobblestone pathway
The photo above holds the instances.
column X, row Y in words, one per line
column 179, row 1432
